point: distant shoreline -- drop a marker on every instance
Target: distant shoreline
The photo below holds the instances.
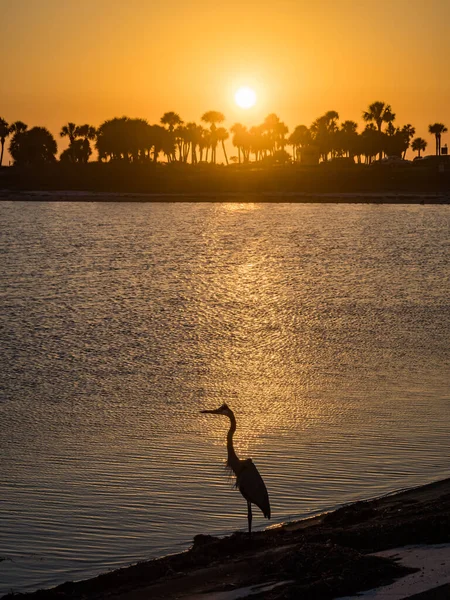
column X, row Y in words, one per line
column 240, row 197
column 116, row 181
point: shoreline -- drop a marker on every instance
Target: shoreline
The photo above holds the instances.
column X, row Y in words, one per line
column 324, row 556
column 388, row 197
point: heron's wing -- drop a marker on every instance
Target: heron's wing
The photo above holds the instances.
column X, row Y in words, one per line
column 252, row 487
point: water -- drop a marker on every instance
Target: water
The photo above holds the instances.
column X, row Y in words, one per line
column 325, row 327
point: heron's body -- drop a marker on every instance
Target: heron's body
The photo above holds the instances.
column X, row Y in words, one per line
column 248, row 480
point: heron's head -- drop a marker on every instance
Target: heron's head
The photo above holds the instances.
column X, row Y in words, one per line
column 222, row 410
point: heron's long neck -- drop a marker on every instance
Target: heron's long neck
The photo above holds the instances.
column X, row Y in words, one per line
column 233, row 460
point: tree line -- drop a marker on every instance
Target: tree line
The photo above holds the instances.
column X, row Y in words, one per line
column 173, row 140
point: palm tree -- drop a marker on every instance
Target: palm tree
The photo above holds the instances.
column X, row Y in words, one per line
column 70, row 131
column 160, row 140
column 123, row 139
column 324, row 131
column 259, row 142
column 408, row 132
column 391, row 130
column 268, row 131
column 396, row 141
column 240, row 134
column 379, row 113
column 4, row 132
column 222, row 135
column 79, row 150
column 419, row 145
column 171, row 119
column 18, row 127
column 205, row 143
column 33, row 147
column 279, row 135
column 299, row 139
column 212, row 117
column 348, row 137
column 87, row 132
column 188, row 134
column 274, row 132
column 437, row 129
column 192, row 138
column 179, row 135
column 371, row 142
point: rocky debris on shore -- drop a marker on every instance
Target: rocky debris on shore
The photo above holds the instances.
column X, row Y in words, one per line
column 319, row 558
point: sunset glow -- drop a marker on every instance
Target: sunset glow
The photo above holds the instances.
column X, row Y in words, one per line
column 284, row 63
column 224, row 244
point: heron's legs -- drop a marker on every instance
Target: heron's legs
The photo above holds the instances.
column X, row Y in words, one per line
column 249, row 506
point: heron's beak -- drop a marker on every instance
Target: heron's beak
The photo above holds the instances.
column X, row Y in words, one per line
column 211, row 412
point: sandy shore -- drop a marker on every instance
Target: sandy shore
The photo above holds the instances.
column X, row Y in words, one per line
column 324, row 557
column 305, row 197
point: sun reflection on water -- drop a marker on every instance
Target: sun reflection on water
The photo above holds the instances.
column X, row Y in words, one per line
column 250, row 367
column 240, row 207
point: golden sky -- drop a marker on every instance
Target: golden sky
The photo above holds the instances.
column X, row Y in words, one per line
column 89, row 60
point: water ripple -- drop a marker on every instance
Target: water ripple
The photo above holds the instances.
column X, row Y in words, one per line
column 325, row 327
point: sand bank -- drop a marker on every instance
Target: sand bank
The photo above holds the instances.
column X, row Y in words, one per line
column 333, row 555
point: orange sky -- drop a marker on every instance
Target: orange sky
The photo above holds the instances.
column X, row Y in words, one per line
column 89, row 60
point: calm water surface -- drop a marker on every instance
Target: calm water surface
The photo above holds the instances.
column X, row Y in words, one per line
column 325, row 328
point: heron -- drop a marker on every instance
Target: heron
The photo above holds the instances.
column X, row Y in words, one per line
column 248, row 480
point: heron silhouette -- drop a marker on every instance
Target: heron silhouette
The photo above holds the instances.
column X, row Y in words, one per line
column 248, row 480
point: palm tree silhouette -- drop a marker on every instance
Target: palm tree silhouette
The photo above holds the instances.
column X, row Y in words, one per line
column 160, row 140
column 324, row 131
column 237, row 130
column 379, row 113
column 212, row 117
column 371, row 142
column 222, row 135
column 18, row 127
column 192, row 137
column 348, row 137
column 419, row 145
column 4, row 132
column 437, row 129
column 204, row 143
column 79, row 150
column 87, row 132
column 259, row 142
column 299, row 138
column 171, row 119
column 408, row 132
column 125, row 139
column 33, row 147
column 197, row 140
column 70, row 131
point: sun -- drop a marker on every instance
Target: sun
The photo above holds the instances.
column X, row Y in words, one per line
column 245, row 97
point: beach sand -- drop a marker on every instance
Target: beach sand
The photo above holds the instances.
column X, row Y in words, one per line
column 357, row 547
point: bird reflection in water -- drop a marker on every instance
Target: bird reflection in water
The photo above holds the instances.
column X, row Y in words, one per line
column 248, row 480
